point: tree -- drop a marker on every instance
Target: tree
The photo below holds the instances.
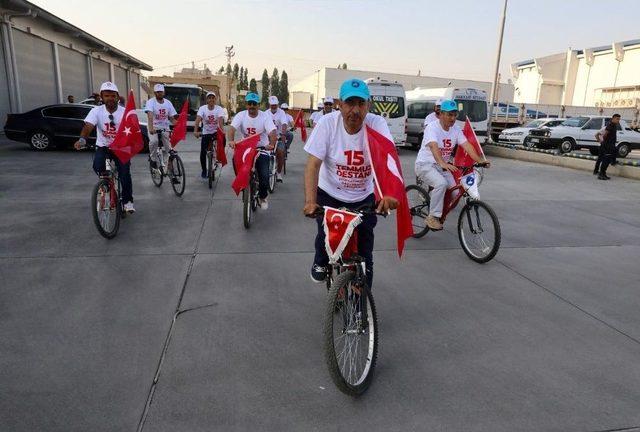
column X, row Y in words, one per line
column 221, row 70
column 228, row 71
column 265, row 87
column 245, row 80
column 284, row 87
column 253, row 86
column 236, row 71
column 275, row 83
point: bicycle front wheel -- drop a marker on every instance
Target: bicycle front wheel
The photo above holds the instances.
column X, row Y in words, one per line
column 106, row 208
column 479, row 231
column 156, row 175
column 419, row 208
column 210, row 172
column 247, row 206
column 350, row 334
column 179, row 179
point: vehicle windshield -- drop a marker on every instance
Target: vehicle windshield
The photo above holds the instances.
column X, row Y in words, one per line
column 177, row 96
column 387, row 106
column 475, row 110
column 575, row 122
column 534, row 124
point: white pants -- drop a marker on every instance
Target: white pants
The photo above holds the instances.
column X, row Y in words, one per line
column 432, row 175
column 153, row 145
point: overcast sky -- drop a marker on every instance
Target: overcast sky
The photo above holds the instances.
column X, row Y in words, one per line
column 439, row 38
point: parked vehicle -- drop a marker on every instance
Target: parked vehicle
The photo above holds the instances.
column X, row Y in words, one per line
column 518, row 135
column 416, row 113
column 579, row 132
column 387, row 100
column 54, row 126
column 178, row 93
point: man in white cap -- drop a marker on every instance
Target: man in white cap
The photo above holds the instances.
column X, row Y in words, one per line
column 280, row 122
column 211, row 116
column 289, row 140
column 328, row 105
column 106, row 118
column 315, row 116
column 160, row 114
column 434, row 116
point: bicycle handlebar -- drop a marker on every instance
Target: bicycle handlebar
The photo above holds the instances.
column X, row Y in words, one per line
column 365, row 209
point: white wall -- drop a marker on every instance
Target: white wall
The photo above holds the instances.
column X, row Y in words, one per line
column 526, row 85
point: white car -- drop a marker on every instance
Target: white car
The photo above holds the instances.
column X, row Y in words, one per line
column 580, row 132
column 517, row 135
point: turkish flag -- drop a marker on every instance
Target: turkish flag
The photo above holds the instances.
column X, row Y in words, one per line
column 128, row 141
column 462, row 158
column 299, row 123
column 387, row 173
column 180, row 129
column 221, row 156
column 338, row 228
column 243, row 156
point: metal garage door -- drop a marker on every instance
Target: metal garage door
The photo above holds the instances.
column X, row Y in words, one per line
column 34, row 57
column 100, row 73
column 135, row 85
column 120, row 79
column 5, row 108
column 74, row 73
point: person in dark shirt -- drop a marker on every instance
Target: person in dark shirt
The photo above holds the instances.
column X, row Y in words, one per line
column 608, row 138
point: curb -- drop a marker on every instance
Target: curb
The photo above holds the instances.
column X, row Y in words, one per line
column 625, row 168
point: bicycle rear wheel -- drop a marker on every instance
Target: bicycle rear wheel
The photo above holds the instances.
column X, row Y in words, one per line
column 156, row 175
column 210, row 171
column 419, row 208
column 247, row 206
column 106, row 209
column 479, row 231
column 350, row 334
column 178, row 174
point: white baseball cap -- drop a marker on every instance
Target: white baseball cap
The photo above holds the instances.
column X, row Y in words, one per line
column 328, row 99
column 109, row 86
column 284, row 106
column 320, row 104
column 158, row 87
column 211, row 94
column 273, row 100
column 439, row 101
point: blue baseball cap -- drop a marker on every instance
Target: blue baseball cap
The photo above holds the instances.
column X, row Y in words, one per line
column 252, row 97
column 354, row 88
column 448, row 105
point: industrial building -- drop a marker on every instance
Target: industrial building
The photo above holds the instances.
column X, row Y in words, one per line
column 43, row 59
column 606, row 76
column 326, row 82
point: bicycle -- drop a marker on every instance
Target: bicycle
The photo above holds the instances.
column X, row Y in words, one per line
column 273, row 169
column 475, row 220
column 250, row 197
column 350, row 328
column 106, row 202
column 212, row 162
column 175, row 172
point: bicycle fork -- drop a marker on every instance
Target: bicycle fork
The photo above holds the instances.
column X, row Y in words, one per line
column 478, row 229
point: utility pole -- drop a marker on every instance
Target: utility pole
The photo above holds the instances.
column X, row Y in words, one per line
column 495, row 83
column 229, row 52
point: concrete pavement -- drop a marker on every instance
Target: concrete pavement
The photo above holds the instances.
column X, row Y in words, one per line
column 188, row 322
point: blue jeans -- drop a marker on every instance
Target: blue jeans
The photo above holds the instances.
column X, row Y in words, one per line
column 262, row 167
column 364, row 230
column 289, row 139
column 124, row 171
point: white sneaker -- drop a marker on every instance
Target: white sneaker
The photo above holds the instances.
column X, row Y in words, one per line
column 264, row 205
column 279, row 177
column 128, row 207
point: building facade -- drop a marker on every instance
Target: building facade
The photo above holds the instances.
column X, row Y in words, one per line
column 606, row 76
column 43, row 59
column 327, row 81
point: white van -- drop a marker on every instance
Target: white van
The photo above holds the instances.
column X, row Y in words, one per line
column 471, row 102
column 387, row 100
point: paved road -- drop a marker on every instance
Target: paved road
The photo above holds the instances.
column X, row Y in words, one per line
column 544, row 338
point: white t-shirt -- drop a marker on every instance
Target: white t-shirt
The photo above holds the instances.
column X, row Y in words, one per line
column 210, row 118
column 279, row 118
column 289, row 119
column 430, row 119
column 345, row 173
column 161, row 112
column 315, row 116
column 446, row 140
column 105, row 132
column 262, row 124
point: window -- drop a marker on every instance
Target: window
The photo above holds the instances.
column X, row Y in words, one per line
column 575, row 122
column 387, row 106
column 554, row 123
column 595, row 124
column 68, row 112
column 475, row 110
column 420, row 109
column 535, row 124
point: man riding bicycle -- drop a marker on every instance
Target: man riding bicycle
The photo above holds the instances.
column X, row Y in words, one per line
column 434, row 116
column 316, row 115
column 211, row 116
column 432, row 163
column 339, row 173
column 160, row 113
column 289, row 135
column 106, row 118
column 280, row 121
column 252, row 121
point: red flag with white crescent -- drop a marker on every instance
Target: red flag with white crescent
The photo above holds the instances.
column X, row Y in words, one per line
column 462, row 158
column 221, row 156
column 128, row 141
column 243, row 156
column 299, row 123
column 338, row 228
column 180, row 129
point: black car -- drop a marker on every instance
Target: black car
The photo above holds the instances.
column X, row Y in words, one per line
column 53, row 125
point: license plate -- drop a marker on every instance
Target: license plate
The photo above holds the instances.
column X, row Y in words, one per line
column 535, row 140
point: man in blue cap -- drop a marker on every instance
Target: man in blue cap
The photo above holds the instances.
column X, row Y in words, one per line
column 249, row 122
column 432, row 164
column 339, row 174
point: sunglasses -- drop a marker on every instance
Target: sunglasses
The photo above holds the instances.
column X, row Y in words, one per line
column 252, row 103
column 111, row 122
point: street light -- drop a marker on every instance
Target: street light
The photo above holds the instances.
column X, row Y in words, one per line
column 494, row 85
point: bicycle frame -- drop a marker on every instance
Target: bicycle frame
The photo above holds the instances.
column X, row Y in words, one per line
column 451, row 202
